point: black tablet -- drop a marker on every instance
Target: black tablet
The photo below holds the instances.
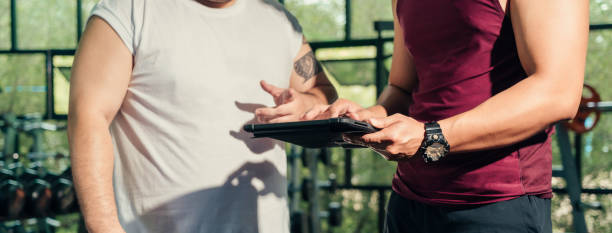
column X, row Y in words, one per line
column 312, row 134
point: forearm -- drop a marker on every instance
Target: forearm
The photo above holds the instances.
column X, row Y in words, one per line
column 92, row 166
column 511, row 116
column 322, row 94
column 392, row 100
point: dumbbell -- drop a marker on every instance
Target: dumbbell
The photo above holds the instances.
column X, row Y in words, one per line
column 63, row 197
column 592, row 205
column 12, row 195
column 14, row 227
column 38, row 192
column 299, row 222
column 323, row 155
column 330, row 185
column 333, row 214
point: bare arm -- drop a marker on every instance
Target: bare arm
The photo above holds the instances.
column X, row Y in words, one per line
column 308, row 88
column 308, row 77
column 396, row 97
column 100, row 77
column 551, row 38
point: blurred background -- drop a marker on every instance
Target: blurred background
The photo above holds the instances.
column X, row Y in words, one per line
column 332, row 190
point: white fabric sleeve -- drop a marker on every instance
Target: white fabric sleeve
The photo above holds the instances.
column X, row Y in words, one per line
column 119, row 14
column 295, row 34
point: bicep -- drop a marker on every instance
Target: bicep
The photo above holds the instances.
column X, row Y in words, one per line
column 551, row 36
column 403, row 72
column 307, row 71
column 101, row 72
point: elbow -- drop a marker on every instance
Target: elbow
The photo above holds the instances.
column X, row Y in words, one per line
column 569, row 109
column 566, row 101
column 561, row 92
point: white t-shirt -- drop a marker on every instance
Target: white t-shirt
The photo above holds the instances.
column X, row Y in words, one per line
column 182, row 162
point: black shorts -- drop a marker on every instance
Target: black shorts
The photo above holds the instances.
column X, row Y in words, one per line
column 526, row 214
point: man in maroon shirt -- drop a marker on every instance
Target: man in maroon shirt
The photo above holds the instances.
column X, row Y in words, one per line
column 474, row 88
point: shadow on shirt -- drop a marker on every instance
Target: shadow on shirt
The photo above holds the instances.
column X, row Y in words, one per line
column 255, row 145
column 232, row 207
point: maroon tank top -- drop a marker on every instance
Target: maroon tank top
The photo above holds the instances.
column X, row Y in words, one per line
column 464, row 52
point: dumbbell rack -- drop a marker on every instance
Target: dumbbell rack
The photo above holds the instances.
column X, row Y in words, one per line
column 43, row 194
column 310, row 220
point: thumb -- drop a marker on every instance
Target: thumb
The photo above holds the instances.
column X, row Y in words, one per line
column 380, row 123
column 273, row 90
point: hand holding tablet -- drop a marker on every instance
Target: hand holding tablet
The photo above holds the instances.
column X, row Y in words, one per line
column 313, row 134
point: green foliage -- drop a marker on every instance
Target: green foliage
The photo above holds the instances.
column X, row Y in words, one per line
column 325, row 18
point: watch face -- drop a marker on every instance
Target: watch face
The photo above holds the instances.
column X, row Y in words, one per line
column 435, row 151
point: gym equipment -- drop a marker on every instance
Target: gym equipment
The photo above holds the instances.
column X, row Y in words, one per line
column 299, row 222
column 63, row 196
column 38, row 192
column 324, row 156
column 333, row 214
column 331, row 185
column 44, row 225
column 582, row 122
column 9, row 129
column 12, row 195
column 310, row 192
column 13, row 227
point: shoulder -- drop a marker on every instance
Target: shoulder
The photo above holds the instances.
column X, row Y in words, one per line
column 277, row 10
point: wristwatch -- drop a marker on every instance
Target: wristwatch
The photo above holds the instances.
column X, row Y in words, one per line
column 434, row 145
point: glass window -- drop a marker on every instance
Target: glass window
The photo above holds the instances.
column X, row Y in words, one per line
column 363, row 15
column 22, row 83
column 320, row 19
column 5, row 24
column 598, row 70
column 46, row 24
column 61, row 83
column 601, row 11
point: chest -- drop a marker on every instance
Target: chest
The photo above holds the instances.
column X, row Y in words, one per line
column 448, row 25
column 192, row 54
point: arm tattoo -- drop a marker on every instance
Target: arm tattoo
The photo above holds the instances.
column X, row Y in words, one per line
column 307, row 66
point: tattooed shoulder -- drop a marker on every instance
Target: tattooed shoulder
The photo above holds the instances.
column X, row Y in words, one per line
column 307, row 66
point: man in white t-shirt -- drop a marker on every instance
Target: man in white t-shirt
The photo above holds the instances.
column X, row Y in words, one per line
column 159, row 94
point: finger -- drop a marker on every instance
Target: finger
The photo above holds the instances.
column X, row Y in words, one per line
column 384, row 122
column 359, row 116
column 287, row 118
column 314, row 112
column 375, row 137
column 265, row 114
column 386, row 134
column 273, row 90
column 336, row 110
column 353, row 115
column 362, row 115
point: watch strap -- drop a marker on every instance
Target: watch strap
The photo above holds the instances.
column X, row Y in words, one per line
column 433, row 134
